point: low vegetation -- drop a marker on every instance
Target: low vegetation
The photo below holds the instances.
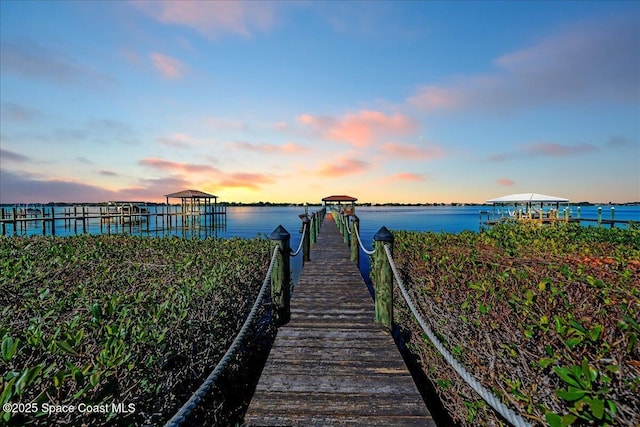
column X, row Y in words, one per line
column 547, row 317
column 102, row 320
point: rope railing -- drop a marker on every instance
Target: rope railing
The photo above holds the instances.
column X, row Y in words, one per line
column 489, row 397
column 181, row 416
column 351, row 229
column 368, row 252
column 304, row 229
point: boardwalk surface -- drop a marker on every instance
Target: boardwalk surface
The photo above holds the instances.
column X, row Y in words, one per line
column 332, row 365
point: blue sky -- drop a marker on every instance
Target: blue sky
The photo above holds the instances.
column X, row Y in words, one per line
column 294, row 101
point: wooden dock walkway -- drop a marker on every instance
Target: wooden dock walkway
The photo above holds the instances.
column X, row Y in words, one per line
column 332, row 364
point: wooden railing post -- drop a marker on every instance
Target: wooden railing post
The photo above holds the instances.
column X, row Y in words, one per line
column 355, row 250
column 281, row 276
column 599, row 216
column 383, row 278
column 306, row 240
column 314, row 228
column 345, row 230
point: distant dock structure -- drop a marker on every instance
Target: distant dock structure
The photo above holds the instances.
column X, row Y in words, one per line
column 198, row 214
column 349, row 201
column 196, row 204
column 540, row 208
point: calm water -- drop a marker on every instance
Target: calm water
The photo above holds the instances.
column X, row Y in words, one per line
column 250, row 221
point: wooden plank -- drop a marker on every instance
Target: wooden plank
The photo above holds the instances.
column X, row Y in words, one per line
column 332, row 365
column 323, row 404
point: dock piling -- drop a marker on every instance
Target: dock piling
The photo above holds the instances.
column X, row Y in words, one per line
column 345, row 228
column 383, row 277
column 599, row 216
column 355, row 228
column 306, row 239
column 281, row 276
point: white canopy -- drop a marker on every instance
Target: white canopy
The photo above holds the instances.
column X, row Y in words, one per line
column 528, row 198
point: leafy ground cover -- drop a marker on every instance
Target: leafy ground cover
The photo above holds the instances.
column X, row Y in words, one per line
column 128, row 320
column 545, row 316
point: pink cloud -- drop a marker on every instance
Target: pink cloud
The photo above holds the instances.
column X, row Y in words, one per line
column 411, row 151
column 214, row 18
column 361, row 128
column 169, row 67
column 343, row 167
column 246, row 180
column 406, row 176
column 289, row 147
column 176, row 166
column 430, row 98
column 505, row 182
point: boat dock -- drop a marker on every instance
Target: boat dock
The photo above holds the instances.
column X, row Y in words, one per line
column 332, row 364
column 109, row 219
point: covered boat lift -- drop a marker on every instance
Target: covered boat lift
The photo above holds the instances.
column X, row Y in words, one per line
column 529, row 205
column 195, row 204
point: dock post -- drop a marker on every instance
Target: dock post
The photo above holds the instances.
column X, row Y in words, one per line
column 53, row 220
column 345, row 229
column 281, row 277
column 613, row 212
column 314, row 228
column 355, row 250
column 383, row 277
column 44, row 221
column 14, row 219
column 306, row 240
column 599, row 216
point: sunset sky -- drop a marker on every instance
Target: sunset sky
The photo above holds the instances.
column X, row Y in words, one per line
column 294, row 101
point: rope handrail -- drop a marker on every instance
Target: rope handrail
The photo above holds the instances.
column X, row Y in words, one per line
column 489, row 397
column 371, row 252
column 349, row 229
column 294, row 254
column 181, row 416
column 348, row 225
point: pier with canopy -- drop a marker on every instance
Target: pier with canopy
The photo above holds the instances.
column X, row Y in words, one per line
column 528, row 206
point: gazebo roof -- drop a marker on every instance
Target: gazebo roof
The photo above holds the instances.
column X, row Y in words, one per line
column 340, row 198
column 190, row 194
column 528, row 198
